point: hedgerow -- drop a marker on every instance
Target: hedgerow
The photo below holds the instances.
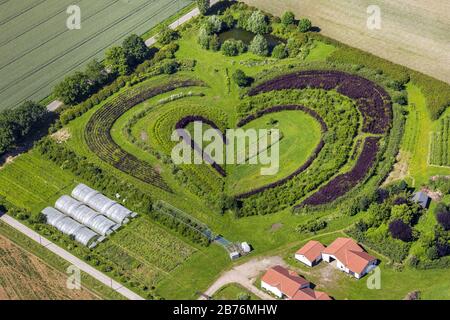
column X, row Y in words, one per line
column 98, row 136
column 436, row 92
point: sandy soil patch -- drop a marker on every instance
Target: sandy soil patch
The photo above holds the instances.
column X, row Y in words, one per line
column 62, row 135
column 276, row 227
column 144, row 136
column 8, row 160
column 400, row 170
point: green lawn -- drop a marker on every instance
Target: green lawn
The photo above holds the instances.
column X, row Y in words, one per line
column 232, row 292
column 300, row 135
column 320, row 52
column 34, row 183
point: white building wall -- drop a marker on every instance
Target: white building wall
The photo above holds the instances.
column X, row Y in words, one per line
column 271, row 289
column 327, row 257
column 303, row 259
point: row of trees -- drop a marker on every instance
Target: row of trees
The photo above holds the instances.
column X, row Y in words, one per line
column 288, row 20
column 119, row 60
column 15, row 124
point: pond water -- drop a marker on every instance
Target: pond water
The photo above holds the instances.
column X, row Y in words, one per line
column 247, row 37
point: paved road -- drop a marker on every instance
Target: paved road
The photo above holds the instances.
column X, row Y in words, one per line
column 70, row 258
column 245, row 275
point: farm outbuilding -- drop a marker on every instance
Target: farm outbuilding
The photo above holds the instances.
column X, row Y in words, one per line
column 311, row 253
column 422, row 199
column 282, row 282
column 102, row 204
column 85, row 215
column 350, row 257
column 70, row 227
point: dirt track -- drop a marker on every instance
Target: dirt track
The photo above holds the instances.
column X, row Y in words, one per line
column 245, row 274
column 415, row 33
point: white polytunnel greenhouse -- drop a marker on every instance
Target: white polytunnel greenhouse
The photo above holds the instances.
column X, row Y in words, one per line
column 70, row 227
column 102, row 204
column 85, row 215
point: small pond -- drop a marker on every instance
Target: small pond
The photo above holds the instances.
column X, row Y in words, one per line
column 247, row 37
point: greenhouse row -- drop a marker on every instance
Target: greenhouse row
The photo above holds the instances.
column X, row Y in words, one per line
column 70, row 227
column 88, row 216
column 102, row 204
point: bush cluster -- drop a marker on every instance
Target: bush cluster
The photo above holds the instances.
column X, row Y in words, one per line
column 16, row 124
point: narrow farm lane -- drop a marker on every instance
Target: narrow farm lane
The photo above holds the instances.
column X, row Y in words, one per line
column 70, row 258
column 245, row 275
column 188, row 16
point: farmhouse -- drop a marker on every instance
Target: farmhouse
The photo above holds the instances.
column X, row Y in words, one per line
column 422, row 198
column 282, row 282
column 311, row 253
column 349, row 257
column 310, row 294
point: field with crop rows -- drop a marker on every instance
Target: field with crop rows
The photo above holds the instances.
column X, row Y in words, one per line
column 37, row 49
column 440, row 144
column 26, row 277
column 144, row 252
column 33, row 183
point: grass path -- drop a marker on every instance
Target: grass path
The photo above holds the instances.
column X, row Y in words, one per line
column 416, row 141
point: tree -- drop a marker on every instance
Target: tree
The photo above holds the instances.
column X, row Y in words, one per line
column 169, row 67
column 203, row 6
column 400, row 230
column 378, row 214
column 259, row 46
column 258, row 23
column 26, row 117
column 73, row 89
column 213, row 25
column 228, row 20
column 135, row 50
column 167, row 35
column 96, row 73
column 204, row 38
column 16, row 123
column 304, row 25
column 406, row 213
column 214, row 42
column 6, row 135
column 241, row 79
column 288, row 18
column 293, row 47
column 280, row 51
column 233, row 47
column 116, row 61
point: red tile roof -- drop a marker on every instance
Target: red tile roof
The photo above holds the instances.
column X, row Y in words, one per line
column 311, row 250
column 348, row 252
column 310, row 294
column 288, row 282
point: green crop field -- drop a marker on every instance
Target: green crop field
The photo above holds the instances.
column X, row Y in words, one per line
column 37, row 50
column 440, row 143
